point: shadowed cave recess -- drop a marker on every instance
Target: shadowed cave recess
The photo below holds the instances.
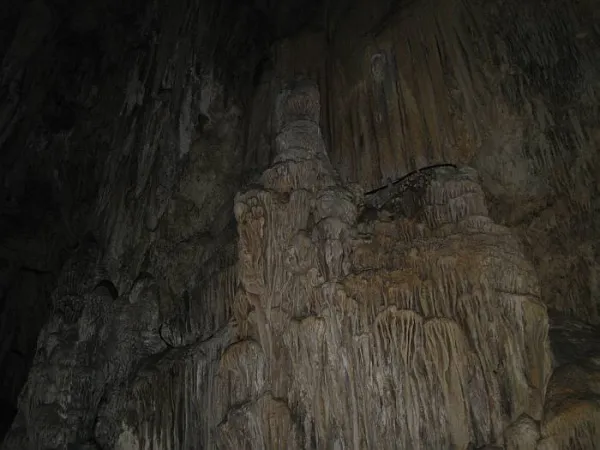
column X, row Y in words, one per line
column 299, row 224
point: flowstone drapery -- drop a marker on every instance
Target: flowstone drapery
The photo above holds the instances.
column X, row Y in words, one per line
column 402, row 319
column 135, row 313
column 421, row 330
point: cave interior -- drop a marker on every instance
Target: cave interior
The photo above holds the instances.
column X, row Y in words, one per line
column 300, row 224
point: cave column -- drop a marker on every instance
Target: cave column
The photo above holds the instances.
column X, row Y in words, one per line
column 294, row 240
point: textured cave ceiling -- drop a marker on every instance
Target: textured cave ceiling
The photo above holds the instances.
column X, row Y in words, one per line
column 299, row 224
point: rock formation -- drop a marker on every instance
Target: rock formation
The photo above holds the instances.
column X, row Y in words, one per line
column 402, row 331
column 302, row 225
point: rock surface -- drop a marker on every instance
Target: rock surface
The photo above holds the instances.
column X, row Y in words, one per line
column 284, row 225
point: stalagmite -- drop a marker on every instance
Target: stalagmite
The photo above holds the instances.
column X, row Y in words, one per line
column 438, row 324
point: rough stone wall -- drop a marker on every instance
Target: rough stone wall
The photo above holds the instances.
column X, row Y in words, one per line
column 414, row 316
column 118, row 200
column 508, row 88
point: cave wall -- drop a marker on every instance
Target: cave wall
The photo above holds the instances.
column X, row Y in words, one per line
column 316, row 316
column 122, row 136
column 511, row 89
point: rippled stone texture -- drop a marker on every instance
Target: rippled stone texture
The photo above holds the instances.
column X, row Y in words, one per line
column 423, row 330
column 411, row 316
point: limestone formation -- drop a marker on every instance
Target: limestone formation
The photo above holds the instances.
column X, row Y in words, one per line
column 375, row 332
column 297, row 225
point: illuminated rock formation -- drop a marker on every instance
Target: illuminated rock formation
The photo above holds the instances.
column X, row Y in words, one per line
column 397, row 332
column 352, row 224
